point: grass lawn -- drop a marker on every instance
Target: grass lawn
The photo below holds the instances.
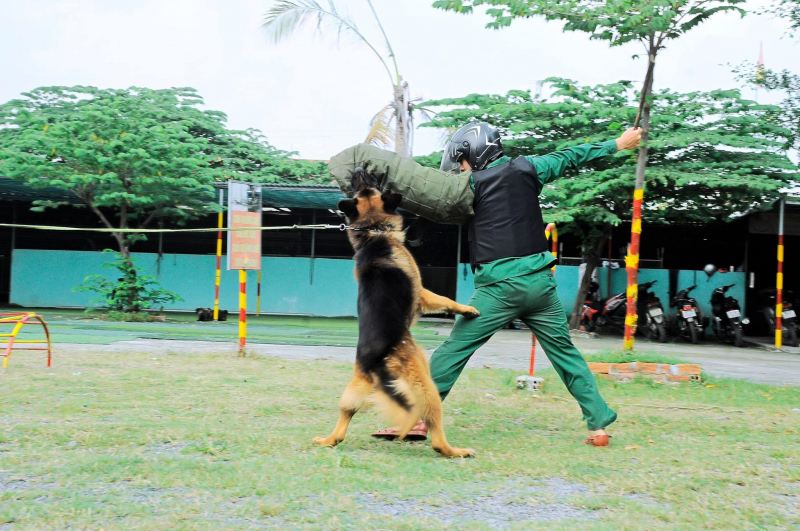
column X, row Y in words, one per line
column 211, row 441
column 76, row 326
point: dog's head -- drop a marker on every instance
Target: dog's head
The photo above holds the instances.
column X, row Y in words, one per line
column 369, row 210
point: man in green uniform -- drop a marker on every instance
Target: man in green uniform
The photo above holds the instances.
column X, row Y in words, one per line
column 512, row 264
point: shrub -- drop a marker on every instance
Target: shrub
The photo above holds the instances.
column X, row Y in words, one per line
column 131, row 293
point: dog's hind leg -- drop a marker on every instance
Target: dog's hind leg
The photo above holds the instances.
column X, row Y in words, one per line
column 352, row 399
column 432, row 415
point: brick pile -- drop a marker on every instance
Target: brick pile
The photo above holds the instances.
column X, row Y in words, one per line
column 664, row 372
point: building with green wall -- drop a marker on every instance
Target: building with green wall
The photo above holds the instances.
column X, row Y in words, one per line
column 310, row 271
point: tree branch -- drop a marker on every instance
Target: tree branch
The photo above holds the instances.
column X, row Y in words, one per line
column 149, row 218
column 86, row 197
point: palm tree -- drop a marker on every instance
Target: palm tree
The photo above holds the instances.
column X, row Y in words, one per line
column 287, row 16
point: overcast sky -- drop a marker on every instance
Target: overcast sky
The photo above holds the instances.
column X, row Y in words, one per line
column 314, row 96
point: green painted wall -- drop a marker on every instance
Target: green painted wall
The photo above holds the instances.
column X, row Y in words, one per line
column 567, row 279
column 290, row 285
column 303, row 286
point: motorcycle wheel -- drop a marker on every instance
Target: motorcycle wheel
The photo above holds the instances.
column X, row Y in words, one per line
column 737, row 337
column 693, row 334
column 661, row 333
column 651, row 333
column 791, row 336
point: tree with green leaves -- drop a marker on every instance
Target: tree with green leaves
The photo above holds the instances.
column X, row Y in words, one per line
column 134, row 156
column 393, row 124
column 786, row 9
column 784, row 82
column 713, row 155
column 653, row 23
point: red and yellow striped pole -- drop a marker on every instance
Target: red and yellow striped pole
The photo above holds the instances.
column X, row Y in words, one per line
column 550, row 233
column 632, row 268
column 218, row 273
column 779, row 282
column 242, row 310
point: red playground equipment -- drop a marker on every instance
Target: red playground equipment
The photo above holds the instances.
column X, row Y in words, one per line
column 9, row 340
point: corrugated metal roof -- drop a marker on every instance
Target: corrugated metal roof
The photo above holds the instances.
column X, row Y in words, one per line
column 314, row 196
column 273, row 195
column 15, row 190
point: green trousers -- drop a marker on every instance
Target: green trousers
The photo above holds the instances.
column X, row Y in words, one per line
column 533, row 299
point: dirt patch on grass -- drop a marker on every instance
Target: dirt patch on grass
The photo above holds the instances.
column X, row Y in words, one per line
column 10, row 483
column 167, row 448
column 514, row 503
column 16, row 483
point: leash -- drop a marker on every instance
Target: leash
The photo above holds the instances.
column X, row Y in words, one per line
column 320, row 226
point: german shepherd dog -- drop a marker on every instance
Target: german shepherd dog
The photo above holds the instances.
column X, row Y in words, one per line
column 391, row 369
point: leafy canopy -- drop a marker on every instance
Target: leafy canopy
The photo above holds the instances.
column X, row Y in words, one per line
column 784, row 82
column 713, row 155
column 134, row 155
column 615, row 21
column 787, row 9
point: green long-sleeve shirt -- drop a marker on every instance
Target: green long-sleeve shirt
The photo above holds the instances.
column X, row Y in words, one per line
column 548, row 168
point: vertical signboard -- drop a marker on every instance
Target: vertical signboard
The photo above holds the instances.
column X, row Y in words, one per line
column 244, row 220
column 244, row 242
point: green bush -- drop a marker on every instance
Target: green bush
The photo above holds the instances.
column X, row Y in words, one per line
column 130, row 294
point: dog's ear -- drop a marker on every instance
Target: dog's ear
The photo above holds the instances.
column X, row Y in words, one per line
column 391, row 201
column 348, row 206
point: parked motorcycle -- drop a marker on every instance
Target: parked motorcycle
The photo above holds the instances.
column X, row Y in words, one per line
column 598, row 314
column 789, row 316
column 688, row 319
column 592, row 306
column 727, row 316
column 655, row 321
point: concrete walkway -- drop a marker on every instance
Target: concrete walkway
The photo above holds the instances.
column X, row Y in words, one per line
column 511, row 349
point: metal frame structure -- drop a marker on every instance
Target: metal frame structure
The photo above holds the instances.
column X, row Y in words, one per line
column 19, row 320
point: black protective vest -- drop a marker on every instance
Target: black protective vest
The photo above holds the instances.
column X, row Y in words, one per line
column 508, row 221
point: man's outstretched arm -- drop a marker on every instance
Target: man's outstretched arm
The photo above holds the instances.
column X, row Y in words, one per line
column 553, row 165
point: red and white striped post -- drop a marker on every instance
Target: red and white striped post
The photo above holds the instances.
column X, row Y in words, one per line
column 779, row 281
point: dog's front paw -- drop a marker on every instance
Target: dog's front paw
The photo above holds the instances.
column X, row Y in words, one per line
column 470, row 312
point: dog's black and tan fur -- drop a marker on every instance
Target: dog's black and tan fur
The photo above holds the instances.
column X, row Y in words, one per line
column 390, row 368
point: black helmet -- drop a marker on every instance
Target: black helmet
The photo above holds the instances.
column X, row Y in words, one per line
column 477, row 142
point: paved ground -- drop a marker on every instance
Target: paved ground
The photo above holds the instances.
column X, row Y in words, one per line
column 511, row 349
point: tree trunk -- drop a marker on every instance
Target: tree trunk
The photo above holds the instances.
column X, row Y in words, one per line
column 402, row 144
column 122, row 237
column 123, row 244
column 592, row 259
column 632, row 259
